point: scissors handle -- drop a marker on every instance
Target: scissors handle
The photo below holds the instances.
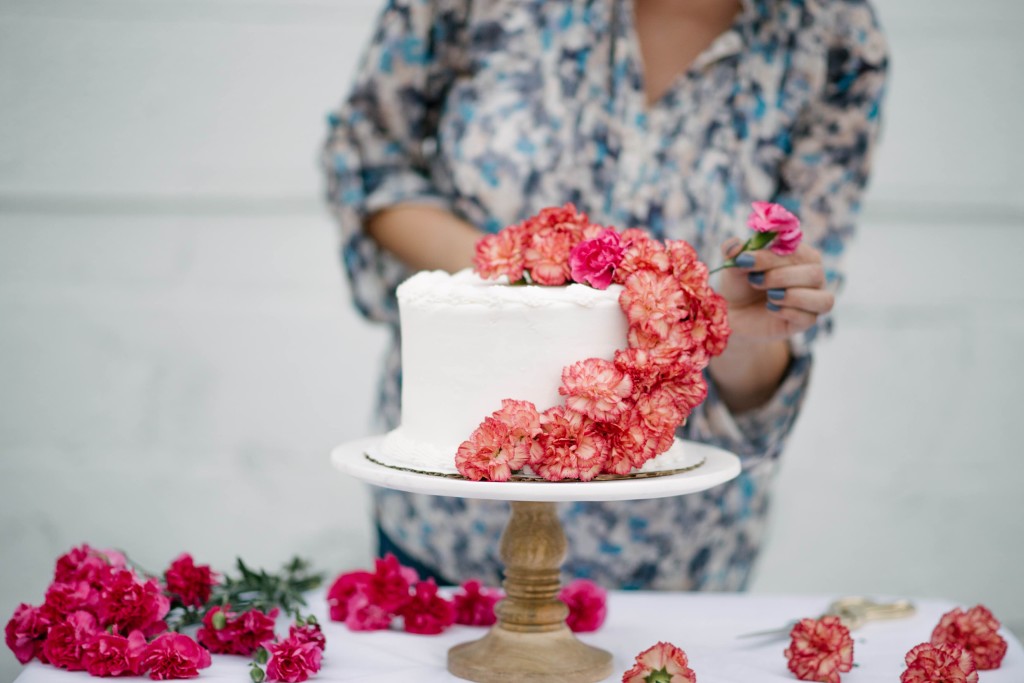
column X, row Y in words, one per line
column 855, row 611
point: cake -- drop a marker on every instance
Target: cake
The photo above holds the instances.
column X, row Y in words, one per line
column 570, row 352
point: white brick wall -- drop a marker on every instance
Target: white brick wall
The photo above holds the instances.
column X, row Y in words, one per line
column 178, row 354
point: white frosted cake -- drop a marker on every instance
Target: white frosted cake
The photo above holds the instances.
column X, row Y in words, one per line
column 570, row 352
column 469, row 343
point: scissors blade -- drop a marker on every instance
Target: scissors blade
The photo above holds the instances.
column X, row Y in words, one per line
column 776, row 632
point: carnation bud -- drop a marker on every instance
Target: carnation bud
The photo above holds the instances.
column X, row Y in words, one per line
column 256, row 674
column 219, row 621
column 261, row 655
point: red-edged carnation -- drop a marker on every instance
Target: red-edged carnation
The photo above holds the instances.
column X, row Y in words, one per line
column 66, row 641
column 427, row 612
column 769, row 217
column 929, row 663
column 128, row 603
column 587, row 603
column 111, row 654
column 653, row 302
column 547, row 256
column 572, row 446
column 173, row 656
column 596, row 388
column 662, row 663
column 344, row 588
column 641, row 253
column 659, row 413
column 191, row 583
column 26, row 632
column 629, row 445
column 474, row 605
column 293, row 660
column 977, row 631
column 523, row 422
column 501, row 254
column 594, row 261
column 487, row 453
column 820, row 650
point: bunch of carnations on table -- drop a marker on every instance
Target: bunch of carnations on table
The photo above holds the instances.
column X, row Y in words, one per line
column 617, row 413
column 104, row 616
column 392, row 593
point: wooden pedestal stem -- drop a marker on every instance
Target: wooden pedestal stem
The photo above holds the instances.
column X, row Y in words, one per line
column 531, row 643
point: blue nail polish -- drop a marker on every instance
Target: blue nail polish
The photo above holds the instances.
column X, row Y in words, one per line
column 756, row 278
column 745, row 260
column 777, row 294
column 773, row 307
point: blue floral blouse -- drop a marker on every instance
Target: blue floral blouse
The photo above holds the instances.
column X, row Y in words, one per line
column 494, row 109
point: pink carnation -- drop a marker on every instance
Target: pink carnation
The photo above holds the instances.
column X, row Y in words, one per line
column 192, row 584
column 820, row 650
column 309, row 633
column 596, row 388
column 293, row 660
column 389, row 587
column 658, row 411
column 111, row 654
column 226, row 633
column 427, row 612
column 594, row 261
column 769, row 217
column 976, row 631
column 662, row 662
column 66, row 642
column 474, row 605
column 366, row 615
column 587, row 603
column 927, row 663
column 572, row 446
column 128, row 603
column 64, row 598
column 344, row 588
column 85, row 563
column 501, row 254
column 26, row 632
column 173, row 656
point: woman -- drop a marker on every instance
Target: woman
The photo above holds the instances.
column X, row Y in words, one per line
column 671, row 115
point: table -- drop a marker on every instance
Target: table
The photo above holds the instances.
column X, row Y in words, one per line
column 705, row 625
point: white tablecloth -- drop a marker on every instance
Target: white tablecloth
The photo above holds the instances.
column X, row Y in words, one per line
column 704, row 625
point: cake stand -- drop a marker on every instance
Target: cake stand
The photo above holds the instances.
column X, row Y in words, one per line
column 531, row 643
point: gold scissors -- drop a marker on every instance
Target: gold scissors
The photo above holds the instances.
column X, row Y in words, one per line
column 853, row 612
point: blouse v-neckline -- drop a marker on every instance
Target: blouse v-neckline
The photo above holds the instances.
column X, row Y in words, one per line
column 727, row 44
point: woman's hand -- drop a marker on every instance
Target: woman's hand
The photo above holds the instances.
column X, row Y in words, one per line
column 773, row 297
column 770, row 298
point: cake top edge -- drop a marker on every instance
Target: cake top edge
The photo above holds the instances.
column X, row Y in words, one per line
column 466, row 287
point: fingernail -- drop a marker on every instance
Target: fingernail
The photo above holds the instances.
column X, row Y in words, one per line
column 773, row 307
column 776, row 294
column 755, row 278
column 745, row 260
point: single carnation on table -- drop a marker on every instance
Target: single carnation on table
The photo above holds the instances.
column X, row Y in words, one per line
column 820, row 649
column 927, row 663
column 976, row 631
column 661, row 663
column 587, row 603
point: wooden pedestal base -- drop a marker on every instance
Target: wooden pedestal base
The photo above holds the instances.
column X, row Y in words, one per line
column 530, row 642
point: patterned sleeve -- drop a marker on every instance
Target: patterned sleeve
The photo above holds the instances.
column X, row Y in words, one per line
column 822, row 181
column 376, row 154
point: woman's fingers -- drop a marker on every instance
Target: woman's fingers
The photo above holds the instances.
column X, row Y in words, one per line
column 797, row 320
column 766, row 259
column 814, row 301
column 810, row 275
